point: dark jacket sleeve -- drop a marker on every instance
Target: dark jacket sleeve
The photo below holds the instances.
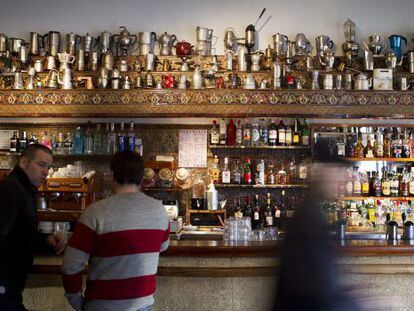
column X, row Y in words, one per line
column 41, row 245
column 9, row 205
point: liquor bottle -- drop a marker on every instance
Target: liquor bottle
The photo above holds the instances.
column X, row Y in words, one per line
column 259, row 175
column 357, row 183
column 340, row 147
column 411, row 183
column 33, row 139
column 248, row 208
column 396, row 144
column 387, row 144
column 305, row 133
column 272, row 133
column 289, row 136
column 303, row 170
column 371, row 214
column 78, row 138
column 54, row 143
column 271, row 180
column 214, row 134
column 412, row 143
column 376, row 185
column 404, row 184
column 290, row 208
column 349, row 147
column 238, row 213
column 369, row 149
column 269, row 212
column 23, row 141
column 222, row 132
column 45, row 140
column 68, row 144
column 257, row 219
column 365, row 189
column 112, row 140
column 247, row 172
column 97, row 140
column 349, row 187
column 283, row 208
column 236, row 174
column 239, row 133
column 292, row 175
column 278, row 213
column 281, row 175
column 139, row 146
column 247, row 133
column 378, row 145
column 122, row 145
column 104, row 146
column 131, row 137
column 406, row 148
column 88, row 141
column 281, row 133
column 215, row 170
column 296, row 140
column 14, row 141
column 359, row 147
column 255, row 139
column 385, row 184
column 225, row 172
column 231, row 133
column 60, row 141
column 264, row 133
column 394, row 185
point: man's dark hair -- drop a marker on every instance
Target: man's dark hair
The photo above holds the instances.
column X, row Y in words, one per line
column 31, row 150
column 127, row 167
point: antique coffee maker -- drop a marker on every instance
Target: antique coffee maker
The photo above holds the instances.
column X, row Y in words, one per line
column 350, row 47
column 124, row 42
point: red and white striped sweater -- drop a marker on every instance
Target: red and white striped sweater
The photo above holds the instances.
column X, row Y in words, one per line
column 120, row 238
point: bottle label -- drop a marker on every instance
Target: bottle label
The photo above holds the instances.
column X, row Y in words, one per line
column 303, row 172
column 277, row 213
column 246, row 135
column 214, row 139
column 131, row 143
column 269, row 220
column 225, row 177
column 256, row 216
column 238, row 214
column 411, row 187
column 341, row 150
column 380, row 151
column 357, row 187
column 371, row 215
column 288, row 138
column 282, row 137
column 264, row 135
column 271, row 179
column 349, row 187
column 365, row 188
column 386, row 188
column 248, row 178
column 369, row 154
column 296, row 139
column 272, row 134
column 305, row 140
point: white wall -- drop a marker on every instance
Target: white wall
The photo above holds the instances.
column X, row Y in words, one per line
column 19, row 17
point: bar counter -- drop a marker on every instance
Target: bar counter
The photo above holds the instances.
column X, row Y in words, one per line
column 220, row 275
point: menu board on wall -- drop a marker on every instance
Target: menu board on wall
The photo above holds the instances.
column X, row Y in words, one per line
column 192, row 150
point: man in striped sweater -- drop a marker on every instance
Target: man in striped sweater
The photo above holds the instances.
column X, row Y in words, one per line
column 120, row 238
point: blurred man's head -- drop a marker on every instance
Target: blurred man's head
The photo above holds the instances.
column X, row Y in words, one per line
column 35, row 161
column 127, row 168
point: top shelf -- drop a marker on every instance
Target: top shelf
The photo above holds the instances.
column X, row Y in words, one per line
column 380, row 159
column 260, row 147
column 204, row 103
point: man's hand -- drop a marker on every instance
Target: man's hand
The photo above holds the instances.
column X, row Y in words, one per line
column 57, row 241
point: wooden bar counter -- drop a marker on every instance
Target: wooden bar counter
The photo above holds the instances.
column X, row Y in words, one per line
column 219, row 275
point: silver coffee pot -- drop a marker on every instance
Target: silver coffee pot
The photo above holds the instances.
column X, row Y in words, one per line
column 376, row 44
column 3, row 43
column 124, row 41
column 301, row 44
column 105, row 42
column 87, row 43
column 36, row 43
column 72, row 43
column 362, row 82
column 15, row 44
column 166, row 43
column 323, row 44
column 280, row 44
column 52, row 42
column 146, row 41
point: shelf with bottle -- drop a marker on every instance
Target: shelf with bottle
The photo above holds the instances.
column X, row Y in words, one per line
column 362, row 198
column 223, row 147
column 81, row 142
column 379, row 159
column 265, row 186
column 204, row 211
column 259, row 133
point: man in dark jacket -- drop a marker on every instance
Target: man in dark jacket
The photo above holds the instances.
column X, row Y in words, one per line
column 19, row 237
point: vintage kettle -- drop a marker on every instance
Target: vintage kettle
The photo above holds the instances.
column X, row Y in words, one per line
column 166, row 43
column 124, row 41
column 396, row 44
column 362, row 82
